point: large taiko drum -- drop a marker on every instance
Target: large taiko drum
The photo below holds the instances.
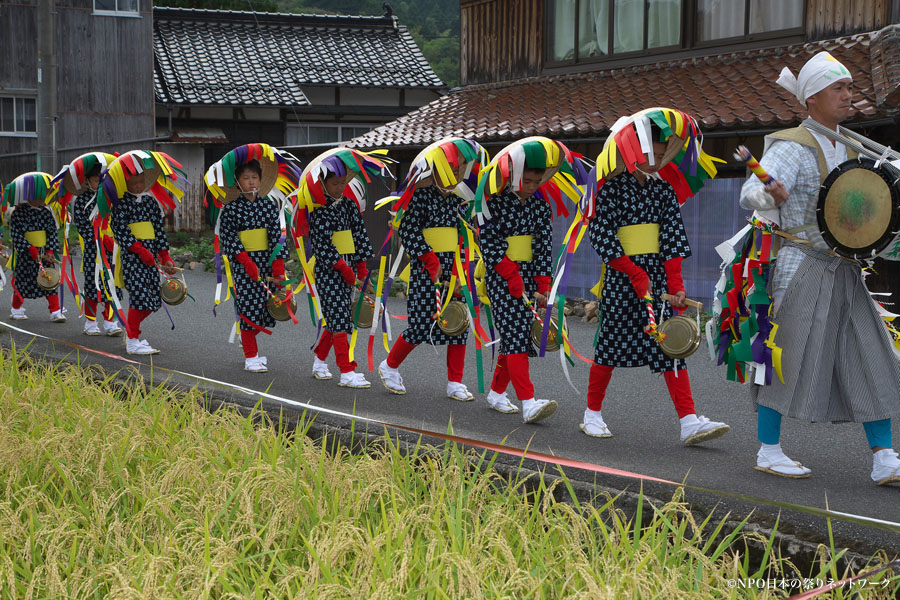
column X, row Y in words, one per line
column 859, row 210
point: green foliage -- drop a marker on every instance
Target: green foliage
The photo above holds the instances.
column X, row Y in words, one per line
column 116, row 488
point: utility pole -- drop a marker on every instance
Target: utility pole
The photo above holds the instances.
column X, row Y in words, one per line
column 46, row 130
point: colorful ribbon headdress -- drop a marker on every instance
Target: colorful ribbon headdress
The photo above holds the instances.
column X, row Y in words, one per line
column 163, row 178
column 31, row 186
column 280, row 176
column 357, row 168
column 452, row 164
column 564, row 173
column 73, row 177
column 684, row 165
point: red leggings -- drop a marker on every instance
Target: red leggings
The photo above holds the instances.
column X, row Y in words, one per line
column 679, row 389
column 341, row 349
column 248, row 342
column 456, row 358
column 513, row 368
column 135, row 317
column 18, row 301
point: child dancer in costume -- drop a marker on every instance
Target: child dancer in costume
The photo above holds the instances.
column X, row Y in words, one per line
column 81, row 179
column 341, row 246
column 134, row 185
column 251, row 230
column 516, row 237
column 33, row 231
column 431, row 227
column 636, row 229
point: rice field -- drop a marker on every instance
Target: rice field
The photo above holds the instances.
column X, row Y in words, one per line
column 117, row 489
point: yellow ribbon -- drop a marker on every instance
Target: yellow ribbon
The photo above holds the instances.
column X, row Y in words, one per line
column 776, row 352
column 442, row 239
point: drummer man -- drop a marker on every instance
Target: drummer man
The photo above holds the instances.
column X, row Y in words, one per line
column 837, row 360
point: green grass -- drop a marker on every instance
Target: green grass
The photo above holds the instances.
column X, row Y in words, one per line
column 120, row 489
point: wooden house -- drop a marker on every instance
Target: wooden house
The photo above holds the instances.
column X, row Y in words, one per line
column 104, row 80
column 299, row 82
column 567, row 69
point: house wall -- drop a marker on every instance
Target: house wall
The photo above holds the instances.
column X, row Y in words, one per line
column 502, row 40
column 104, row 79
column 189, row 214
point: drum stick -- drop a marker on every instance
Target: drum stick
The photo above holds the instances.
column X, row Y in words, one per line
column 743, row 154
column 687, row 301
column 174, row 268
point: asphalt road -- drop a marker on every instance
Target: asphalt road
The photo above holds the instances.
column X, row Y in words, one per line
column 637, row 410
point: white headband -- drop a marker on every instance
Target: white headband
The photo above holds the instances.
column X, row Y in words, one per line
column 817, row 74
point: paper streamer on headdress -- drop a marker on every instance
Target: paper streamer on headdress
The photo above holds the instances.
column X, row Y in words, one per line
column 685, row 167
column 168, row 179
column 564, row 175
column 35, row 185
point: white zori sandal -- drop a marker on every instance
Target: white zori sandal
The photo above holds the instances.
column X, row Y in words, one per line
column 770, row 459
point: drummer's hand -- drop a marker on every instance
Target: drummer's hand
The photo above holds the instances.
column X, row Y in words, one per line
column 169, row 267
column 677, row 300
column 49, row 259
column 776, row 189
column 34, row 253
column 540, row 299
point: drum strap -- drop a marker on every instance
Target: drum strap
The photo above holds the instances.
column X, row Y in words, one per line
column 801, row 135
column 441, row 239
column 639, row 239
column 343, row 241
column 518, row 247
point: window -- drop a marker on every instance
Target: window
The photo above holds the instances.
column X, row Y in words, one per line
column 723, row 19
column 591, row 30
column 598, row 28
column 303, row 135
column 117, row 7
column 18, row 115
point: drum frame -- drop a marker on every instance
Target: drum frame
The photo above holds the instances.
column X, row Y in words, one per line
column 884, row 242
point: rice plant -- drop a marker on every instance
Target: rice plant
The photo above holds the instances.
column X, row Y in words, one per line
column 113, row 488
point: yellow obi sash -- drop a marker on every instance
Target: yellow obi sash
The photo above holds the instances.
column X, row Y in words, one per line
column 442, row 239
column 343, row 241
column 37, row 238
column 639, row 239
column 254, row 240
column 143, row 230
column 518, row 247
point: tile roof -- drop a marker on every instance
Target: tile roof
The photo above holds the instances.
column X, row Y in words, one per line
column 726, row 91
column 265, row 59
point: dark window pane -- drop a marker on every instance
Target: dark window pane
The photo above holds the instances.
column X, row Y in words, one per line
column 6, row 114
column 663, row 23
column 30, row 114
column 719, row 19
column 629, row 26
column 593, row 28
column 20, row 114
column 322, row 135
column 128, row 5
column 772, row 15
column 105, row 5
column 562, row 29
